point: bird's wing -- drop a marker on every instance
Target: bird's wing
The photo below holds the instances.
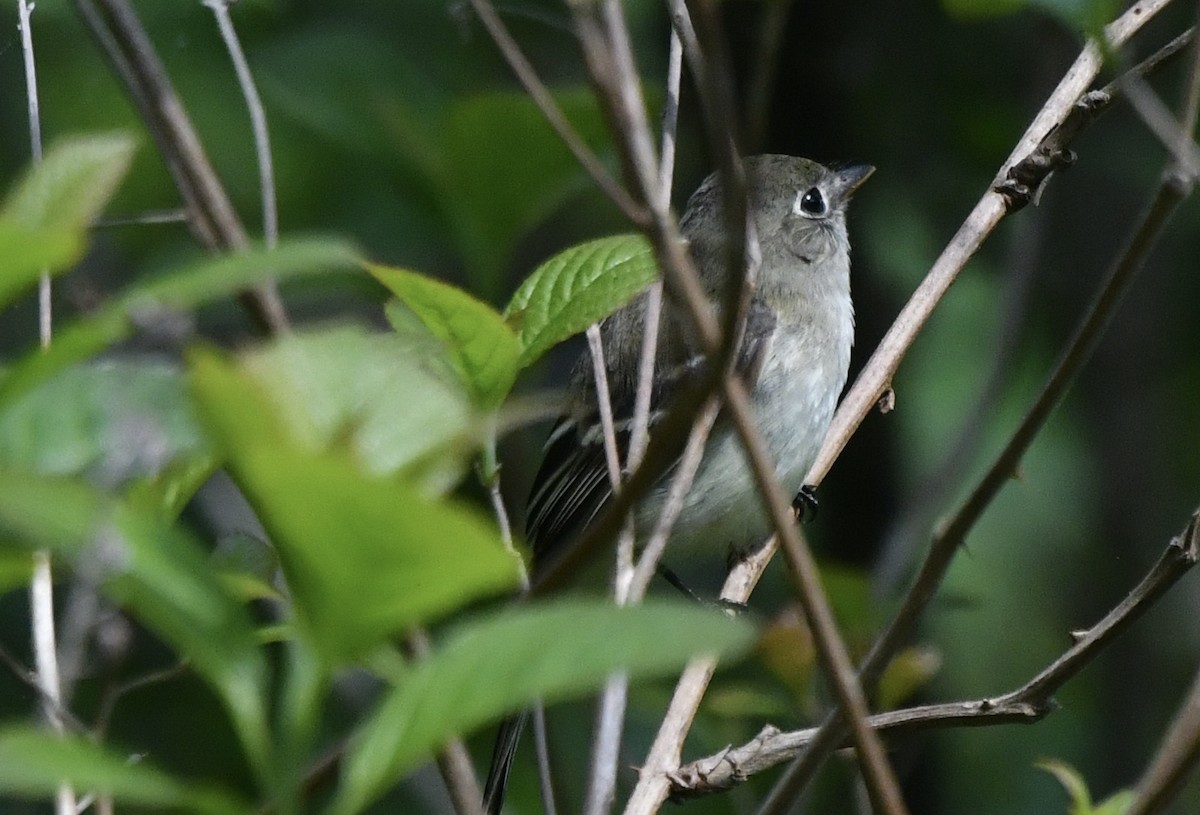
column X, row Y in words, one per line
column 572, row 485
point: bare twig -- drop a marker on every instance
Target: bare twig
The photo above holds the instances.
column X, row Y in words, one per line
column 160, row 216
column 681, row 482
column 606, row 50
column 1162, row 123
column 664, row 755
column 119, row 32
column 604, row 403
column 950, row 536
column 1176, row 759
column 453, row 760
column 610, row 713
column 30, row 678
column 41, row 586
column 258, row 119
column 1027, row 704
column 875, row 379
column 542, row 97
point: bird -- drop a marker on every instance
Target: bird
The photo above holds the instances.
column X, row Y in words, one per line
column 793, row 356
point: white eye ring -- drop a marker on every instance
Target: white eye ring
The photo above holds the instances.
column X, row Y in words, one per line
column 810, row 204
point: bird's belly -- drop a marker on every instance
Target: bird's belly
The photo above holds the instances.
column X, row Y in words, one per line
column 723, row 508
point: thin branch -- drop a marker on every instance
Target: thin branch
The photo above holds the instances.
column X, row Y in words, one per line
column 30, row 678
column 1027, row 704
column 1161, row 122
column 118, row 31
column 108, row 702
column 610, row 713
column 950, row 536
column 875, row 379
column 681, row 483
column 606, row 50
column 541, row 747
column 160, row 216
column 604, row 405
column 41, row 585
column 664, row 756
column 610, row 724
column 258, row 119
column 453, row 760
column 1175, row 761
column 553, row 114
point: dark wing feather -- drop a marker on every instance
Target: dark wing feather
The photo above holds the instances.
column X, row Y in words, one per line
column 572, row 484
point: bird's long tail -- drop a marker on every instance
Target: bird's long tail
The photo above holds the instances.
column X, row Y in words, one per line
column 502, row 760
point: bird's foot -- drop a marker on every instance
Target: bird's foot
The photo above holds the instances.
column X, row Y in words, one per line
column 805, row 503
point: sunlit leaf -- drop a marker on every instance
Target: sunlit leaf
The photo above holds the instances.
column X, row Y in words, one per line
column 550, row 651
column 364, row 557
column 345, row 387
column 73, row 182
column 576, row 288
column 26, row 252
column 34, row 763
column 482, row 346
column 182, row 289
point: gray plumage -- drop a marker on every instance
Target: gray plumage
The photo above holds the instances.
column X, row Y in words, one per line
column 794, row 357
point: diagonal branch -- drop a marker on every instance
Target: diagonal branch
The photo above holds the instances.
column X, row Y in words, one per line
column 1025, row 705
column 117, row 29
column 875, row 379
column 951, row 535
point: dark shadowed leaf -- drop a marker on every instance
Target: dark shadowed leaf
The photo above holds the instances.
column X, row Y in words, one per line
column 183, row 289
column 493, row 666
column 577, row 287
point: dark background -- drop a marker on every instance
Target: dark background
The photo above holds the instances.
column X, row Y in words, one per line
column 397, row 123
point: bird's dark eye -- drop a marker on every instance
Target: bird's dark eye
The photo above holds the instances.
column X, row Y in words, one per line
column 812, row 202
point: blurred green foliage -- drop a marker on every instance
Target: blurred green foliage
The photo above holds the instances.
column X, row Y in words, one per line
column 398, row 127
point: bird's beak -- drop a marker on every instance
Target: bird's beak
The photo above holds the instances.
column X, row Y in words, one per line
column 849, row 179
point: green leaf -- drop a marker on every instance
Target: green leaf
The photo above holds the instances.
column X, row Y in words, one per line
column 482, row 346
column 73, row 182
column 577, row 287
column 364, row 557
column 1116, row 804
column 26, row 252
column 44, row 220
column 908, row 672
column 495, row 665
column 34, row 763
column 1073, row 783
column 114, row 420
column 181, row 290
column 343, row 387
column 157, row 571
column 16, row 568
